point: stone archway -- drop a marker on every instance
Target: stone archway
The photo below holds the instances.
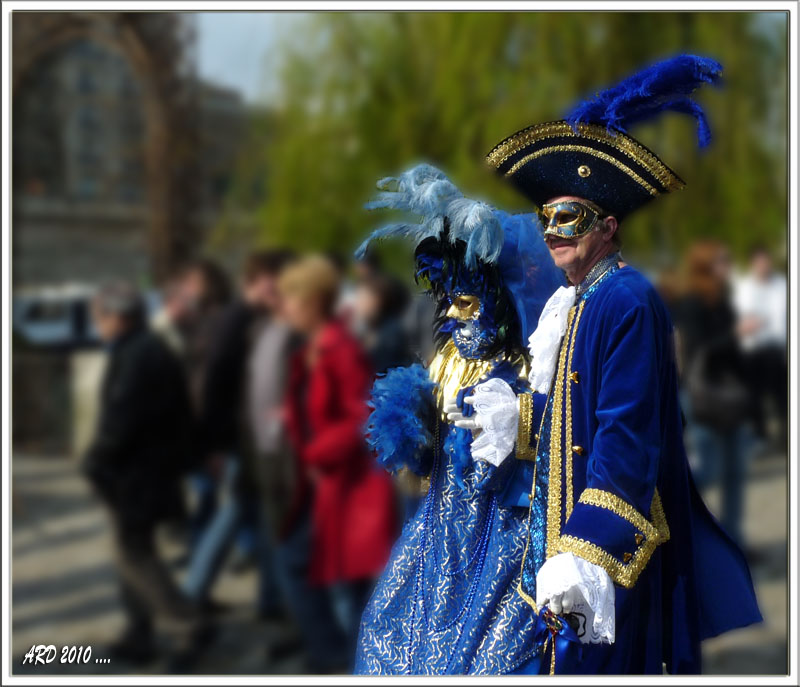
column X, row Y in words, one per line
column 155, row 47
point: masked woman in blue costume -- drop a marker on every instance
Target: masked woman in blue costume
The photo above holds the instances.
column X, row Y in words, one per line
column 447, row 601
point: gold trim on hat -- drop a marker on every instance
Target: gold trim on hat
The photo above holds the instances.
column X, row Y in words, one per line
column 582, row 149
column 594, row 132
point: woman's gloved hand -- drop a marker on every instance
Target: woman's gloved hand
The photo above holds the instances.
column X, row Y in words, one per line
column 493, row 420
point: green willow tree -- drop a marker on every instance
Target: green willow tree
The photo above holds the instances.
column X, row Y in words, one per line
column 365, row 95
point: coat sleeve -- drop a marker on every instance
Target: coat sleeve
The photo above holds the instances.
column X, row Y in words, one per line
column 610, row 524
column 342, row 438
column 127, row 409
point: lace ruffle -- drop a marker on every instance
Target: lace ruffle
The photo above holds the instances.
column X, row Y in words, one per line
column 566, row 571
column 544, row 343
column 495, row 403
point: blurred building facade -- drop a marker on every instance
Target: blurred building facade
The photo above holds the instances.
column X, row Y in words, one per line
column 119, row 153
column 120, row 159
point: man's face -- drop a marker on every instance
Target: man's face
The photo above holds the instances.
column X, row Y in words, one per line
column 107, row 325
column 176, row 303
column 262, row 291
column 573, row 254
column 193, row 287
column 761, row 265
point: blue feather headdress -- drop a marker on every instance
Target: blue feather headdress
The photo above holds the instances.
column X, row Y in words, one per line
column 666, row 85
column 464, row 243
column 428, row 194
column 589, row 153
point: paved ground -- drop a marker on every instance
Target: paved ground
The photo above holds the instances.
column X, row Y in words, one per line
column 64, row 591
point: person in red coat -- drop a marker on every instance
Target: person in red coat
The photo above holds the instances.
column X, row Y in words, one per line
column 342, row 524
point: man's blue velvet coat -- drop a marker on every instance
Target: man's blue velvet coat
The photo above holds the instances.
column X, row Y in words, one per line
column 620, row 492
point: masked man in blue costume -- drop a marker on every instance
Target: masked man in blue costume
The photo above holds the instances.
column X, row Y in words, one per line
column 618, row 543
column 447, row 602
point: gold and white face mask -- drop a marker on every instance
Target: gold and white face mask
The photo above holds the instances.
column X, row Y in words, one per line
column 570, row 219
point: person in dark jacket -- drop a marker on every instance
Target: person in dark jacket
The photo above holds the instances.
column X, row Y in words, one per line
column 195, row 301
column 143, row 444
column 381, row 301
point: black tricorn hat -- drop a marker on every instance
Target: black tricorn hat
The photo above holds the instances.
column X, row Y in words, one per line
column 589, row 154
column 614, row 171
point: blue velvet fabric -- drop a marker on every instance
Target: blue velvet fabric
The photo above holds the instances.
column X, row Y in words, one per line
column 626, row 417
column 447, row 601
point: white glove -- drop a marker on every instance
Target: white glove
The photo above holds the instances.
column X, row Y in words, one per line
column 563, row 602
column 567, row 583
column 456, row 417
column 496, row 413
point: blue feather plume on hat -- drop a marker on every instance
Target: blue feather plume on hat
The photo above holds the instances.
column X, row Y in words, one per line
column 666, row 85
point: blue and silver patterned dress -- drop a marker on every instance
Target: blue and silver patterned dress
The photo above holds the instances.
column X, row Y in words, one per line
column 447, row 602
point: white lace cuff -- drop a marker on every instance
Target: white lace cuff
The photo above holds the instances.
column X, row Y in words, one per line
column 496, row 405
column 566, row 571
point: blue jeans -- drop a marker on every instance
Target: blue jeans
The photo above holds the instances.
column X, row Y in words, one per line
column 328, row 618
column 205, row 488
column 216, row 541
column 722, row 459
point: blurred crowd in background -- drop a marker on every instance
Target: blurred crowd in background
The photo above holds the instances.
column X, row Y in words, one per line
column 235, row 413
column 216, row 404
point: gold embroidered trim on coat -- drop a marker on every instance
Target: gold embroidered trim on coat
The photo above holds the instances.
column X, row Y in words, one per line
column 625, row 144
column 524, row 449
column 589, row 151
column 568, row 441
column 656, row 532
column 659, row 519
column 612, row 502
column 556, row 438
column 624, row 574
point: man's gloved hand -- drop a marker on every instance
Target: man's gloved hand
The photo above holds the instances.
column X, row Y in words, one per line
column 567, row 584
column 563, row 602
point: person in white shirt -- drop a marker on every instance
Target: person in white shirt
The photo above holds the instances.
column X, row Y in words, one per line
column 760, row 302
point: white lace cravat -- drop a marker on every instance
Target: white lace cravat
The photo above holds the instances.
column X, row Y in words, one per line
column 544, row 343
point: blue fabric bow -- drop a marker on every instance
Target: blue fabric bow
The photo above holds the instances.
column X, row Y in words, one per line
column 557, row 638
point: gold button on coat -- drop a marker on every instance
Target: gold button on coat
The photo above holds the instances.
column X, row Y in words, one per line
column 574, row 376
column 578, row 450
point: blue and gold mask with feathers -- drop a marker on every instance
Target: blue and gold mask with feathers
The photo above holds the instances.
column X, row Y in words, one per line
column 489, row 272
